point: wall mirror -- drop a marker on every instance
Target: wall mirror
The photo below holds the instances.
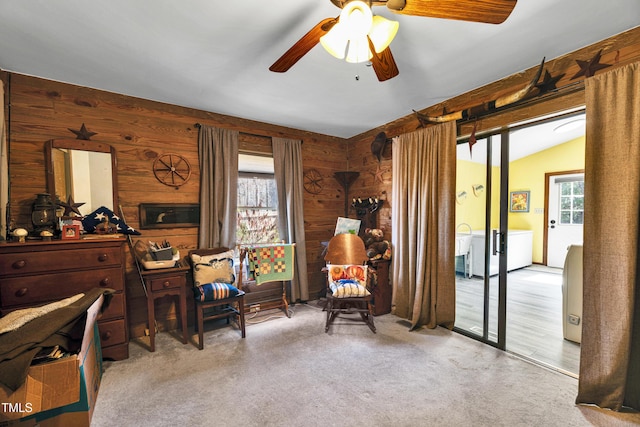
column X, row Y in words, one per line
column 84, row 170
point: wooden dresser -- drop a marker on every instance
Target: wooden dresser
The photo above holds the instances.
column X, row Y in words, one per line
column 35, row 273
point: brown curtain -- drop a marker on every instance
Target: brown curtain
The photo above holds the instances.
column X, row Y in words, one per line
column 610, row 350
column 287, row 165
column 218, row 157
column 4, row 169
column 423, row 229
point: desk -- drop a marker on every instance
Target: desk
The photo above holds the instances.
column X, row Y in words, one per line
column 163, row 282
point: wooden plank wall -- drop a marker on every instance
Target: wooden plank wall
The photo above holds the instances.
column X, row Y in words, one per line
column 140, row 130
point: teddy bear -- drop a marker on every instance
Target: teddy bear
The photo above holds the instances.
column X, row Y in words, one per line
column 377, row 246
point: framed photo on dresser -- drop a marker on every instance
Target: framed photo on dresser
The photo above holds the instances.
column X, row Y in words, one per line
column 70, row 232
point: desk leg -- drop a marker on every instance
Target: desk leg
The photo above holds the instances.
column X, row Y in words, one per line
column 183, row 313
column 152, row 322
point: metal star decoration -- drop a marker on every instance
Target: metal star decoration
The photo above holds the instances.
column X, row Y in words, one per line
column 377, row 175
column 589, row 68
column 83, row 133
column 548, row 82
column 70, row 207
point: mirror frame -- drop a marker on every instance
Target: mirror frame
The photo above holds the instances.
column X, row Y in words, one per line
column 83, row 145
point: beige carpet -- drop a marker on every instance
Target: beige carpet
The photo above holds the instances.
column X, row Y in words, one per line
column 288, row 372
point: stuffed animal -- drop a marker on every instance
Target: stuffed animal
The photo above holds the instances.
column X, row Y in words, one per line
column 377, row 246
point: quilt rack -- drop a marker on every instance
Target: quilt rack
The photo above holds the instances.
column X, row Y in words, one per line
column 265, row 263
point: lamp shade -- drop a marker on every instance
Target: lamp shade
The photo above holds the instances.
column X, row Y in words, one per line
column 357, row 18
column 382, row 32
column 335, row 41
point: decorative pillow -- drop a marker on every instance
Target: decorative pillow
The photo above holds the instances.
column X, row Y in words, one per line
column 348, row 281
column 214, row 291
column 216, row 268
column 92, row 220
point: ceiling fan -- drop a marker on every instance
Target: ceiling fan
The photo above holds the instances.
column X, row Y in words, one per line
column 484, row 11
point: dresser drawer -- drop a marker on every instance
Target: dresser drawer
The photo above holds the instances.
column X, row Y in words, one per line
column 37, row 289
column 115, row 309
column 22, row 263
column 112, row 332
column 168, row 282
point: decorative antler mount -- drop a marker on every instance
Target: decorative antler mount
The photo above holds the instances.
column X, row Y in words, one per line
column 487, row 107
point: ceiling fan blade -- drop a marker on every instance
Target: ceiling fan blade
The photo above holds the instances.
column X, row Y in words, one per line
column 302, row 46
column 383, row 63
column 486, row 11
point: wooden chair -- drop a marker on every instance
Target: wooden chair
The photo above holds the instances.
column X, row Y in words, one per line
column 231, row 306
column 347, row 249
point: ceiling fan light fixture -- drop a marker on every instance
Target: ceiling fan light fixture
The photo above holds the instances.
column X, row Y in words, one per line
column 348, row 38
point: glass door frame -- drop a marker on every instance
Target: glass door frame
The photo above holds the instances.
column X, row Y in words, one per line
column 493, row 241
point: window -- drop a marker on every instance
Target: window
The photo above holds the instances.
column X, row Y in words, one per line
column 257, row 201
column 572, row 202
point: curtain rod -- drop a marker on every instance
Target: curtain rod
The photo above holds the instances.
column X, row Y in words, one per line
column 198, row 125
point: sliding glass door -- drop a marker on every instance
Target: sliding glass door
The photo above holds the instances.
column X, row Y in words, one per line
column 480, row 241
column 509, row 292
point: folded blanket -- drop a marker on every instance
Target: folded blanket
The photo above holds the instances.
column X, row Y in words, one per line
column 63, row 327
column 17, row 318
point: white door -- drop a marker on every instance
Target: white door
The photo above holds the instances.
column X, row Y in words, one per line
column 566, row 216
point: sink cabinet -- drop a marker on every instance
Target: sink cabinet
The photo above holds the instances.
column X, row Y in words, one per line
column 519, row 252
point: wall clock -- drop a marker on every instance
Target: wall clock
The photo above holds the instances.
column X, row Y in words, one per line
column 172, row 169
column 313, row 181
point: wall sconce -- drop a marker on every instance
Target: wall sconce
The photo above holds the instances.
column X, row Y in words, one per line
column 348, row 38
column 478, row 189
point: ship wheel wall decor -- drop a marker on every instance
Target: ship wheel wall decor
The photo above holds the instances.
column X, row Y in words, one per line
column 313, row 181
column 172, row 170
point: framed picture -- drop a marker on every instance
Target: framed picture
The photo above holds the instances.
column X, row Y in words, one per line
column 70, row 232
column 519, row 201
column 169, row 215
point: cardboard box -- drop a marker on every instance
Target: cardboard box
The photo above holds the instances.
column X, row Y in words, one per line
column 62, row 392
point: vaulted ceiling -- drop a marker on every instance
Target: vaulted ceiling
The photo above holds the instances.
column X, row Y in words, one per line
column 215, row 55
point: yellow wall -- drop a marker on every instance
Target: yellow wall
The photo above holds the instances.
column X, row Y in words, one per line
column 472, row 209
column 528, row 174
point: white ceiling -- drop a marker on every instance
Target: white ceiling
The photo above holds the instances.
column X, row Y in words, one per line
column 214, row 55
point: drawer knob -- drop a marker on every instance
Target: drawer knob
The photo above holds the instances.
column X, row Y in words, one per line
column 166, row 284
column 106, row 335
column 22, row 292
column 19, row 264
column 105, row 282
column 103, row 257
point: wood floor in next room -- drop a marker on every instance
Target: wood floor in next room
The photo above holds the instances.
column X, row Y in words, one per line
column 534, row 315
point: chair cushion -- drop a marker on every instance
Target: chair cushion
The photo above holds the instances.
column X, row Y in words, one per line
column 214, row 291
column 213, row 268
column 348, row 281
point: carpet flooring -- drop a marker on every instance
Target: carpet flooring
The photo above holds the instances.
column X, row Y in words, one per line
column 289, row 372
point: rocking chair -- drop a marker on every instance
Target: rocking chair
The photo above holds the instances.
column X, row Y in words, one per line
column 347, row 279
